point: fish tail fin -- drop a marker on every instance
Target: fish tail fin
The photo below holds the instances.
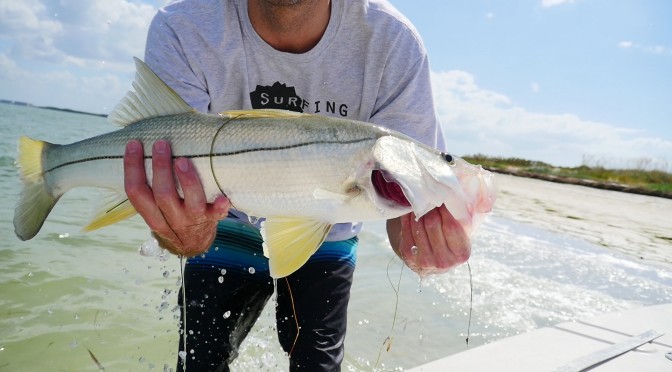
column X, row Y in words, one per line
column 35, row 201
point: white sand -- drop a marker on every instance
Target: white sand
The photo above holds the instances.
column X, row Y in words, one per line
column 640, row 226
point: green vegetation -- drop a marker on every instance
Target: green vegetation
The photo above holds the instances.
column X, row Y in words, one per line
column 649, row 182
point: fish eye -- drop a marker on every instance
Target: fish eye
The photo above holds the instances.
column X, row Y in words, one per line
column 449, row 158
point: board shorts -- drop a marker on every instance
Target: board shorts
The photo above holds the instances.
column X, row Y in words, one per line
column 228, row 287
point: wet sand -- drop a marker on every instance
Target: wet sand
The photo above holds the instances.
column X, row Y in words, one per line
column 636, row 225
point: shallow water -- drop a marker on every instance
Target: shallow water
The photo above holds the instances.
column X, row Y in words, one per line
column 66, row 293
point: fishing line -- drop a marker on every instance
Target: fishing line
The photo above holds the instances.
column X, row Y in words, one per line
column 296, row 318
column 184, row 318
column 471, row 302
column 212, row 154
column 388, row 339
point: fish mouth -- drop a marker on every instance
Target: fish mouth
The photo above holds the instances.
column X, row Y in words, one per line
column 389, row 190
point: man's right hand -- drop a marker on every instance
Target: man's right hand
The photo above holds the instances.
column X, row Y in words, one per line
column 186, row 226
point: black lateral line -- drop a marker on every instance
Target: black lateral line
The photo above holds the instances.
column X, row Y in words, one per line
column 230, row 153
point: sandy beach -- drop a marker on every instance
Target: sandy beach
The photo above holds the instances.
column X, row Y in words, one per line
column 637, row 225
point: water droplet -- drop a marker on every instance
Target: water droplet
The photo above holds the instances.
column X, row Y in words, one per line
column 191, row 351
column 227, row 314
column 50, row 311
column 183, row 355
column 220, row 279
column 223, row 271
column 63, row 236
column 150, row 248
column 166, row 274
column 414, row 250
column 76, row 316
column 30, row 273
column 251, row 270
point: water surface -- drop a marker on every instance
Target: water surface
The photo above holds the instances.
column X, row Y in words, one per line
column 66, row 293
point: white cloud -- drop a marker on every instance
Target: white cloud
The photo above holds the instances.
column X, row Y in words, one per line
column 476, row 120
column 70, row 53
column 61, row 88
column 550, row 3
column 76, row 32
column 653, row 49
column 625, row 44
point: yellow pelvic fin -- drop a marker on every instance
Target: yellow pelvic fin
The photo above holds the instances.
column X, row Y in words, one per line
column 112, row 212
column 289, row 242
column 262, row 113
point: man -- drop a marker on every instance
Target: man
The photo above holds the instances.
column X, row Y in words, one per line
column 350, row 58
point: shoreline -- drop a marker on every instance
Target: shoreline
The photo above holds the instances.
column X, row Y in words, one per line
column 632, row 224
column 612, row 186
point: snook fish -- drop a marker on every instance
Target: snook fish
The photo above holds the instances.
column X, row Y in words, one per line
column 302, row 172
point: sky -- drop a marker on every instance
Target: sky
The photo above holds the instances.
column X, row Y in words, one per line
column 568, row 82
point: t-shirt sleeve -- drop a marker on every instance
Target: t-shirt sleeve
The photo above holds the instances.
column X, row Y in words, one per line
column 165, row 55
column 405, row 102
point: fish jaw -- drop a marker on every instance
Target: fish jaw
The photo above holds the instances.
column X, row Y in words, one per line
column 430, row 179
column 425, row 179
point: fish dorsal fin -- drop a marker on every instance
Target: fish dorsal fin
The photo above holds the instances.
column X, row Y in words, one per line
column 289, row 242
column 262, row 113
column 151, row 98
column 115, row 209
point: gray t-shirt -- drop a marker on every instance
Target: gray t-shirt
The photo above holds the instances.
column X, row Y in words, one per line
column 370, row 65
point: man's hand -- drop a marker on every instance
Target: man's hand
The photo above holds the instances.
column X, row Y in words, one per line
column 183, row 226
column 433, row 245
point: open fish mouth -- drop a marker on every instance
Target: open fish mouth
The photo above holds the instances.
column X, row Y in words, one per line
column 388, row 188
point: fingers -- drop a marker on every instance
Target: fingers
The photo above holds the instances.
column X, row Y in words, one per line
column 163, row 183
column 434, row 244
column 219, row 208
column 184, row 226
column 439, row 253
column 195, row 204
column 456, row 236
column 135, row 185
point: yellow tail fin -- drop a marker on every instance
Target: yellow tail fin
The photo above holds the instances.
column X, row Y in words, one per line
column 35, row 201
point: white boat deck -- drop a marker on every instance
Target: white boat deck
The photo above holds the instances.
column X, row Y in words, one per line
column 637, row 340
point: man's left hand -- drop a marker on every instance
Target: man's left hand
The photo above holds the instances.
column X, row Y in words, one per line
column 432, row 245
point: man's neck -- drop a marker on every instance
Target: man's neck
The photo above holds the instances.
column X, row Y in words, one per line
column 293, row 26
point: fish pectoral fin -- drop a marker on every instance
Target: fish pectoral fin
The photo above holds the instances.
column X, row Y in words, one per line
column 289, row 242
column 117, row 209
column 323, row 194
column 262, row 113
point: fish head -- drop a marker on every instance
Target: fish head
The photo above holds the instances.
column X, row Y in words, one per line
column 408, row 173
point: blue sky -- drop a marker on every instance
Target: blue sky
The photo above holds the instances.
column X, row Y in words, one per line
column 561, row 81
